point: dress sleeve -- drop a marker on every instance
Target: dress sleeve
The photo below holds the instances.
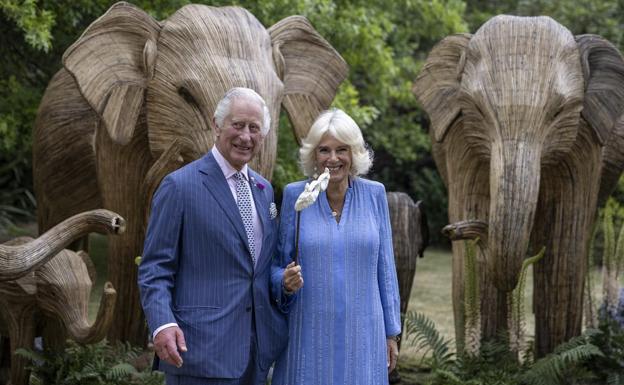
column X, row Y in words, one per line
column 159, row 262
column 386, row 270
column 285, row 251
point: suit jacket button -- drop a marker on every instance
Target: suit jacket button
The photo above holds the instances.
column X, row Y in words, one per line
column 248, row 308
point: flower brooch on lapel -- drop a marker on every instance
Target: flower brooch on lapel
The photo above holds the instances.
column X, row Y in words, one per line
column 259, row 185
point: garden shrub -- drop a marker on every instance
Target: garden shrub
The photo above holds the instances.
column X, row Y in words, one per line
column 95, row 364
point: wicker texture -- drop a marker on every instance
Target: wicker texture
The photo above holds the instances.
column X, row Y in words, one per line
column 410, row 237
column 135, row 101
column 519, row 113
column 58, row 291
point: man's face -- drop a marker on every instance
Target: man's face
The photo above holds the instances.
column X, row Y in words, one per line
column 240, row 137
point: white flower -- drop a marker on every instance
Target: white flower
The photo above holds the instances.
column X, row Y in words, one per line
column 312, row 190
column 323, row 180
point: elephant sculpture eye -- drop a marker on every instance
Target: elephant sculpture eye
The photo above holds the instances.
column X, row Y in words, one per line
column 557, row 113
column 187, row 96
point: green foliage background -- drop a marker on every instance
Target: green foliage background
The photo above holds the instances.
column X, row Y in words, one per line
column 385, row 42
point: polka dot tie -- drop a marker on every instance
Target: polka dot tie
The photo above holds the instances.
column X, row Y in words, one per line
column 243, row 202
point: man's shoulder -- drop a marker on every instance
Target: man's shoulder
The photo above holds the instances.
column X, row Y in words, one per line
column 188, row 169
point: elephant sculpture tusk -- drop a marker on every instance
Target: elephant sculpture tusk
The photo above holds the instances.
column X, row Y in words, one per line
column 17, row 261
column 469, row 229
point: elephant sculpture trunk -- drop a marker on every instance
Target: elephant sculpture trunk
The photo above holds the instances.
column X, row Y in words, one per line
column 18, row 260
column 56, row 299
column 514, row 188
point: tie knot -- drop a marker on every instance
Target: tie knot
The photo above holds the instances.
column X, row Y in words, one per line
column 239, row 175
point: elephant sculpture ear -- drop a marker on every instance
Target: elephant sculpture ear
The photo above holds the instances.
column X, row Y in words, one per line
column 437, row 85
column 603, row 70
column 112, row 62
column 310, row 69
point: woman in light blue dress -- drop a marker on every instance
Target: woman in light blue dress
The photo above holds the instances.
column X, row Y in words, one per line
column 344, row 312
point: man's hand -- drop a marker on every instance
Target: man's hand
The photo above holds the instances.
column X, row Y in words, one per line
column 166, row 344
column 393, row 353
column 292, row 280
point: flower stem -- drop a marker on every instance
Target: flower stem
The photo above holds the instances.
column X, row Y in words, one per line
column 297, row 239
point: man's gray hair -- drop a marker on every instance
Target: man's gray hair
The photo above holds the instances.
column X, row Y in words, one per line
column 342, row 127
column 223, row 108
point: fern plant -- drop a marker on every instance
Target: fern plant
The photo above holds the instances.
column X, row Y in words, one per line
column 421, row 333
column 96, row 364
column 589, row 307
column 613, row 260
column 565, row 360
column 608, row 368
column 516, row 313
column 596, row 357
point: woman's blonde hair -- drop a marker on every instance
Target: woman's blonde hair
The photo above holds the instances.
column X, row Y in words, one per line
column 339, row 125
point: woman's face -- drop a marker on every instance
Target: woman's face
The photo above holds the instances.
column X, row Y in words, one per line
column 334, row 155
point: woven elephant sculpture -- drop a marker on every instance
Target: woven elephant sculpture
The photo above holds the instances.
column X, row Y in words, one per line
column 527, row 134
column 45, row 289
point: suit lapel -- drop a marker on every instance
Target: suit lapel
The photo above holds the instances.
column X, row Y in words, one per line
column 214, row 180
column 262, row 208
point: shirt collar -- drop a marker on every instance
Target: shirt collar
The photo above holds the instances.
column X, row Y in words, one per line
column 225, row 166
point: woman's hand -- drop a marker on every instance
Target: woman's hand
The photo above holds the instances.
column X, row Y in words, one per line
column 393, row 353
column 293, row 280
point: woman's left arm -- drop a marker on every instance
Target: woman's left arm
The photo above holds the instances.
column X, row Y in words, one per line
column 387, row 279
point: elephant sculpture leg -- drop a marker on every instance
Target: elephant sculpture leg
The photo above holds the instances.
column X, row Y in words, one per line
column 563, row 224
column 20, row 323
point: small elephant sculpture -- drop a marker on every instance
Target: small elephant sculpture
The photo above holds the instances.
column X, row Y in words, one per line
column 57, row 292
column 46, row 289
column 134, row 101
column 527, row 134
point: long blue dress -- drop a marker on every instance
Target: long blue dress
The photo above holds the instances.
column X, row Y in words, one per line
column 339, row 320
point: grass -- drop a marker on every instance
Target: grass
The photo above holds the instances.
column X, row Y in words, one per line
column 431, row 293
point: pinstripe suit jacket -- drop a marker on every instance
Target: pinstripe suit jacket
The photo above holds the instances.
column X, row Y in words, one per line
column 197, row 271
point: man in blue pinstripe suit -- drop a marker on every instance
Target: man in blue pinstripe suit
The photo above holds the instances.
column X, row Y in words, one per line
column 205, row 273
